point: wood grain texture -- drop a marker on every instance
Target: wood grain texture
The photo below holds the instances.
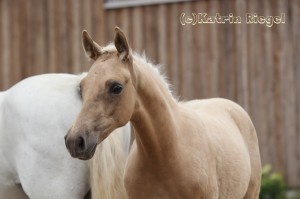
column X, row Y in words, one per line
column 1, row 43
column 294, row 50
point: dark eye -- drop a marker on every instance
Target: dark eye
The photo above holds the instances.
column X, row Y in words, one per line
column 115, row 88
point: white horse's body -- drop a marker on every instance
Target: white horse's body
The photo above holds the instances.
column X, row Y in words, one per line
column 35, row 115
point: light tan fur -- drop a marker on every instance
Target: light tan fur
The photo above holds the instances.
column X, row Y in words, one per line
column 107, row 168
column 199, row 149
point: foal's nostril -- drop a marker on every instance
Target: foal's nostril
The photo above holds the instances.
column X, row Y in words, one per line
column 80, row 144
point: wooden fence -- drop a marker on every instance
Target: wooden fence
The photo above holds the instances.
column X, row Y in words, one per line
column 252, row 64
column 41, row 36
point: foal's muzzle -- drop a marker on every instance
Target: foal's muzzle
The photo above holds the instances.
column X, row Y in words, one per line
column 81, row 145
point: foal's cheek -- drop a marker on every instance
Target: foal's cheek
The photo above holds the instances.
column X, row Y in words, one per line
column 121, row 115
column 124, row 111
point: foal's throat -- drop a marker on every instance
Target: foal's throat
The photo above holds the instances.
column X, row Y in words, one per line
column 154, row 117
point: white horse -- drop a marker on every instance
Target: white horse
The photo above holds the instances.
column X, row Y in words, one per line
column 35, row 115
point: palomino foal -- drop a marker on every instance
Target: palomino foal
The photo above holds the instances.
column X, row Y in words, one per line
column 200, row 149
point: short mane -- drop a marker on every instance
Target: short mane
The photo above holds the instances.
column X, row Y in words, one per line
column 156, row 69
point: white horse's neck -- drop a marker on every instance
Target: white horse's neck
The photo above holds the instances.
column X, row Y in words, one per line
column 153, row 119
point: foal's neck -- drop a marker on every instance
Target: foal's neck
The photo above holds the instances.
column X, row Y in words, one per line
column 153, row 120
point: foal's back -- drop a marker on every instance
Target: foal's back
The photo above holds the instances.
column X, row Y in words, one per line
column 234, row 146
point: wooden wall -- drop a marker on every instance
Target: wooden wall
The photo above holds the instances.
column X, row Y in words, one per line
column 252, row 64
column 42, row 36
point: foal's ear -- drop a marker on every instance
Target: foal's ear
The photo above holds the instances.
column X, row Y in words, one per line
column 91, row 48
column 121, row 44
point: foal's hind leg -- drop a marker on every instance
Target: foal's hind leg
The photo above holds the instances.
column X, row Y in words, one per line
column 253, row 190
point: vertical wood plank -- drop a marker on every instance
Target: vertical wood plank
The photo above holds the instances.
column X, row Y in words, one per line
column 25, row 55
column 6, row 43
column 289, row 141
column 162, row 35
column 186, row 62
column 151, row 33
column 266, row 77
column 1, row 46
column 62, row 35
column 168, row 43
column 76, row 51
column 124, row 23
column 70, row 20
column 138, row 29
column 37, row 39
column 174, row 46
column 85, row 24
column 213, row 53
column 15, row 41
column 201, row 54
column 87, row 15
column 180, row 86
column 230, row 53
column 294, row 49
column 241, row 56
column 98, row 21
column 273, row 67
column 222, row 57
column 110, row 25
column 52, row 44
column 255, row 50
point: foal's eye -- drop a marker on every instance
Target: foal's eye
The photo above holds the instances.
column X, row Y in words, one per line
column 115, row 88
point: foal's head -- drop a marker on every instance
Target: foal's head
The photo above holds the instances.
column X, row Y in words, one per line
column 107, row 92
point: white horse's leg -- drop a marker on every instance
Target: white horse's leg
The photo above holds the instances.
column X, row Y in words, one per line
column 8, row 188
column 12, row 192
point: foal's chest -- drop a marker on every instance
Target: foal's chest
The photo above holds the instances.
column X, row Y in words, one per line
column 146, row 182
